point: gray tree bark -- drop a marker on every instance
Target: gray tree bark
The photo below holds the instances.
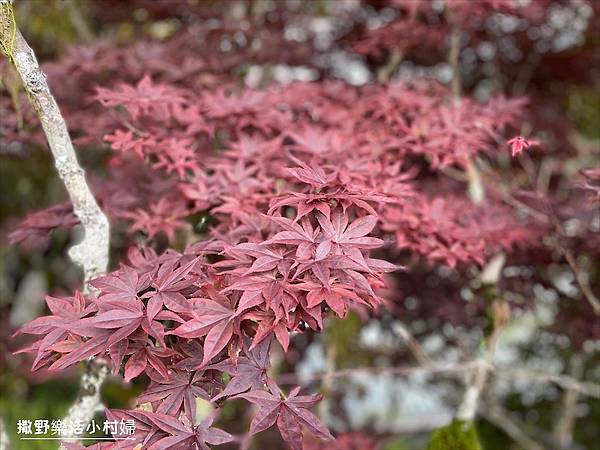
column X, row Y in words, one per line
column 91, row 254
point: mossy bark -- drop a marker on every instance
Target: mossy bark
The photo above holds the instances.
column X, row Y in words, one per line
column 457, row 435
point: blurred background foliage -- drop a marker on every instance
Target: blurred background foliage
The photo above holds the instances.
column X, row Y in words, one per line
column 30, row 183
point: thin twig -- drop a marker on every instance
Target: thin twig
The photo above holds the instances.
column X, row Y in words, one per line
column 563, row 430
column 453, row 60
column 510, row 200
column 503, row 420
column 412, row 344
column 525, row 73
column 581, row 277
column 587, row 388
column 79, row 22
column 386, row 71
column 292, row 378
column 468, row 408
column 455, row 174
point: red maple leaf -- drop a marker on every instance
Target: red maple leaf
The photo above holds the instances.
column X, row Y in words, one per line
column 177, row 393
column 65, row 313
column 183, row 435
column 214, row 318
column 247, row 372
column 519, row 143
column 291, row 414
column 167, row 287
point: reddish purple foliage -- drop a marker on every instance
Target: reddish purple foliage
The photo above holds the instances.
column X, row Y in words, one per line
column 309, row 193
column 309, row 184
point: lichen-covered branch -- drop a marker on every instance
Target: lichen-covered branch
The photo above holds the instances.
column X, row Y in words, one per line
column 88, row 401
column 8, row 29
column 92, row 252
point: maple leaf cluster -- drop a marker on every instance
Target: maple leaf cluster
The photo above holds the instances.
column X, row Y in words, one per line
column 310, row 194
column 302, row 192
column 419, row 25
column 451, row 230
column 319, row 146
column 179, row 299
column 302, row 184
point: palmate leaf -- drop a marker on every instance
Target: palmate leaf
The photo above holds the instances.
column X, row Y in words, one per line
column 201, row 434
column 146, row 98
column 65, row 313
column 144, row 354
column 291, row 415
column 157, row 431
column 177, row 393
column 92, row 347
column 213, row 318
column 247, row 372
column 168, row 285
column 120, row 287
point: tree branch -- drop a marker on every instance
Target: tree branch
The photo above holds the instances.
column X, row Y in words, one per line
column 88, row 401
column 563, row 429
column 586, row 388
column 502, row 419
column 581, row 277
column 500, row 312
column 93, row 250
column 453, row 60
column 292, row 378
column 475, row 188
column 411, row 342
column 386, row 71
column 4, row 441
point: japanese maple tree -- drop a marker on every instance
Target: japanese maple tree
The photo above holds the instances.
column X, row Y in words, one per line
column 250, row 213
